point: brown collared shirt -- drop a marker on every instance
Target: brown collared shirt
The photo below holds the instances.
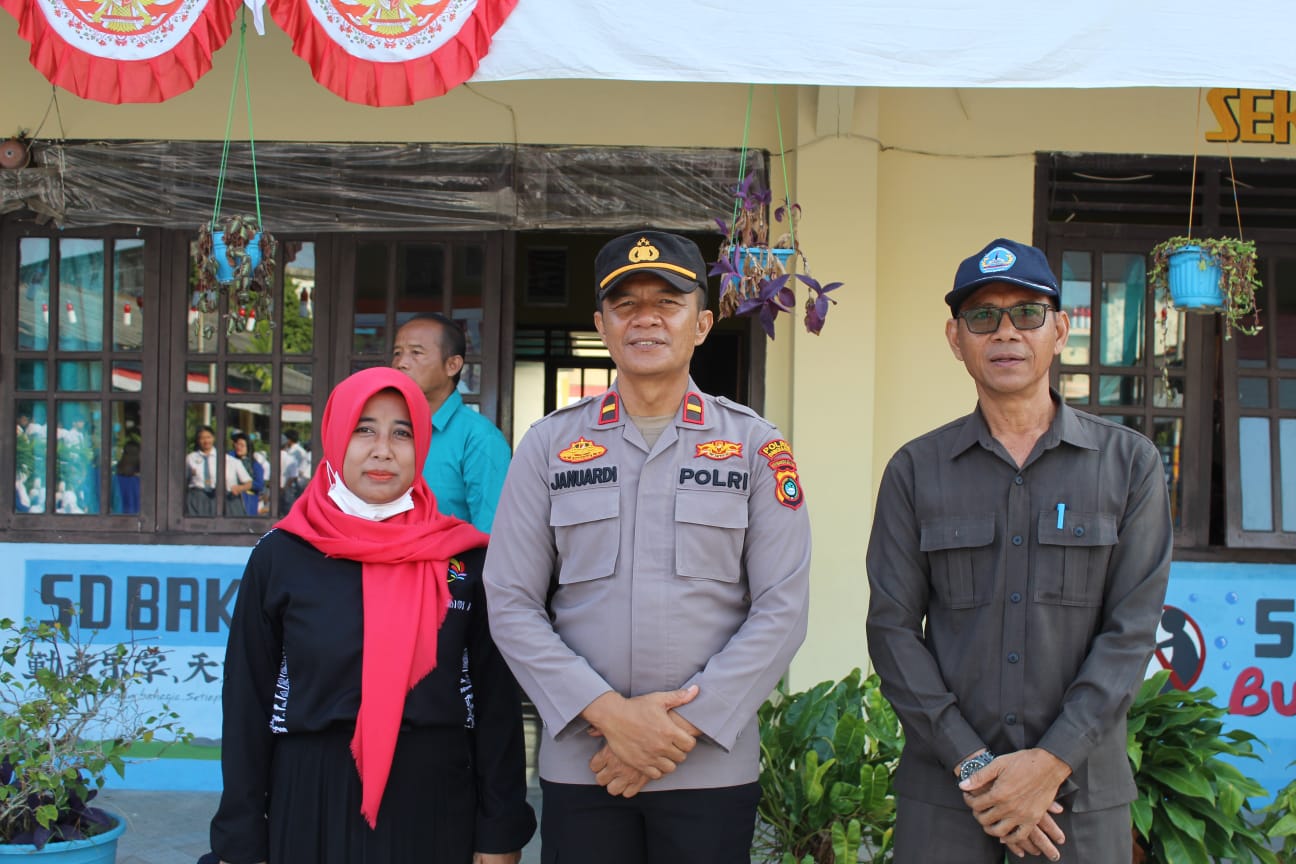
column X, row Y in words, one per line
column 1017, row 607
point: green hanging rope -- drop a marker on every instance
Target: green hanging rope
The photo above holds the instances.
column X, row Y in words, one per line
column 742, row 166
column 240, row 74
column 778, row 121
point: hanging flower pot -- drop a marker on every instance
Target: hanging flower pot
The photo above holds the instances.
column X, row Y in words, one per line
column 1194, row 280
column 767, row 257
column 225, row 263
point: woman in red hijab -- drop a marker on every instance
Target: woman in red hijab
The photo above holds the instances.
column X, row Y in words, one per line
column 368, row 718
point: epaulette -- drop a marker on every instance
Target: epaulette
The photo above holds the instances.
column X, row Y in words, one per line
column 738, row 406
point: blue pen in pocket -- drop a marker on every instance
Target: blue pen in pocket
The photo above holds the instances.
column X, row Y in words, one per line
column 1061, row 515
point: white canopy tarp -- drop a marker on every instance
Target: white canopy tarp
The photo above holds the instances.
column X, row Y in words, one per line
column 902, row 43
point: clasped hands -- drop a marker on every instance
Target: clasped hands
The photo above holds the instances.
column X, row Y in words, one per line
column 644, row 738
column 1014, row 799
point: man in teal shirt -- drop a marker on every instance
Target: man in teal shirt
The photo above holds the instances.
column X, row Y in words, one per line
column 469, row 458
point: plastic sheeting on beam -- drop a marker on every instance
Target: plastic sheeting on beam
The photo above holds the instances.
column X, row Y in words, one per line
column 381, row 187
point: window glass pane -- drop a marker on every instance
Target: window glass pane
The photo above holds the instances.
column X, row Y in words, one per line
column 81, row 295
column 369, row 331
column 1284, row 315
column 79, row 375
column 1120, row 390
column 296, row 378
column 1075, row 388
column 200, row 378
column 249, row 429
column 76, row 477
column 574, row 384
column 1124, row 287
column 33, row 293
column 1167, row 434
column 1252, row 351
column 1167, row 397
column 127, row 447
column 29, row 457
column 127, row 376
column 1287, row 460
column 201, row 337
column 1255, row 479
column 250, row 336
column 299, row 297
column 1253, row 392
column 1077, row 301
column 128, row 295
column 420, row 277
column 248, row 377
column 470, row 378
column 31, row 375
column 1287, row 394
column 294, row 453
column 202, row 469
column 1169, row 334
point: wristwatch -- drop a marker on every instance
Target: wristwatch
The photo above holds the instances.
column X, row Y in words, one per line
column 973, row 764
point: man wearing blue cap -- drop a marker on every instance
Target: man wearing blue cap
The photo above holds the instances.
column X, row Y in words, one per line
column 1017, row 567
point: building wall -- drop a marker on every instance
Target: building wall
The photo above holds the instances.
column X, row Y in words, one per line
column 897, row 186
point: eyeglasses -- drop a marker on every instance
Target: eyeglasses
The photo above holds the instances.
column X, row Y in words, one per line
column 1024, row 316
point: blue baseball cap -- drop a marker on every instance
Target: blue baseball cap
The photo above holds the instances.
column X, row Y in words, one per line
column 1003, row 261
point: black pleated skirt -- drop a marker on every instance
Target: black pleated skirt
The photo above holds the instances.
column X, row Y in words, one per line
column 427, row 814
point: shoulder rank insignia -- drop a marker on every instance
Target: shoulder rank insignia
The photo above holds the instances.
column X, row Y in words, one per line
column 582, row 450
column 610, row 410
column 787, row 483
column 719, row 450
column 693, row 409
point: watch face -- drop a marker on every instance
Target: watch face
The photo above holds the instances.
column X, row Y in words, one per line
column 973, row 765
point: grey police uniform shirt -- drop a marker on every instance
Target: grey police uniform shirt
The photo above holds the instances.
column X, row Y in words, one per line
column 684, row 564
column 1016, row 608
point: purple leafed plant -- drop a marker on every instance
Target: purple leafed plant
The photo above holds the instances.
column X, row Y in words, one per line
column 758, row 277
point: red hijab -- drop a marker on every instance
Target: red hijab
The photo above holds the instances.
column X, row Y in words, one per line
column 404, row 560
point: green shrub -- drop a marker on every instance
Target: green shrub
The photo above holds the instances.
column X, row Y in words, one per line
column 1192, row 805
column 827, row 758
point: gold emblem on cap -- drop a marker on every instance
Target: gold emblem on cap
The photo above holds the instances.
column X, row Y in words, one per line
column 643, row 251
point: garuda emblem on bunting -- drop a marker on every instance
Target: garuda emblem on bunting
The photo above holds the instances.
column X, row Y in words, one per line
column 391, row 52
column 123, row 50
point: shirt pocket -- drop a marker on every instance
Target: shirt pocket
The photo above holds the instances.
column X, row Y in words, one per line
column 961, row 566
column 587, row 533
column 709, row 531
column 1071, row 569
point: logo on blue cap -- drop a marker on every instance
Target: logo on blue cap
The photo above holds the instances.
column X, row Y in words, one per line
column 997, row 260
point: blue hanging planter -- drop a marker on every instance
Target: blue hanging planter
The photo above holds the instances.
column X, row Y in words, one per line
column 224, row 267
column 762, row 254
column 1194, row 280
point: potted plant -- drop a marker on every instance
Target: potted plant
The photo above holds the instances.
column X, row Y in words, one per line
column 827, row 758
column 68, row 713
column 756, row 274
column 235, row 257
column 1192, row 805
column 1216, row 274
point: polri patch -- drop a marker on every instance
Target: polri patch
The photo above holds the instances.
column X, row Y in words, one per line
column 582, row 450
column 787, row 483
column 719, row 449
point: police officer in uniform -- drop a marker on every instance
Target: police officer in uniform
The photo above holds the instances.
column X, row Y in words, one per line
column 648, row 580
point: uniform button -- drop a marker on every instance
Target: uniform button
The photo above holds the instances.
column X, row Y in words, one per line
column 1079, row 530
column 1017, row 540
column 1010, row 719
column 1018, row 480
column 1015, row 597
column 1013, row 656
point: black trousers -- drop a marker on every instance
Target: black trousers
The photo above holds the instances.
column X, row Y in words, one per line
column 585, row 825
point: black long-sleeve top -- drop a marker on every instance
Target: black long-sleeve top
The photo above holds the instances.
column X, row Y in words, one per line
column 293, row 664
